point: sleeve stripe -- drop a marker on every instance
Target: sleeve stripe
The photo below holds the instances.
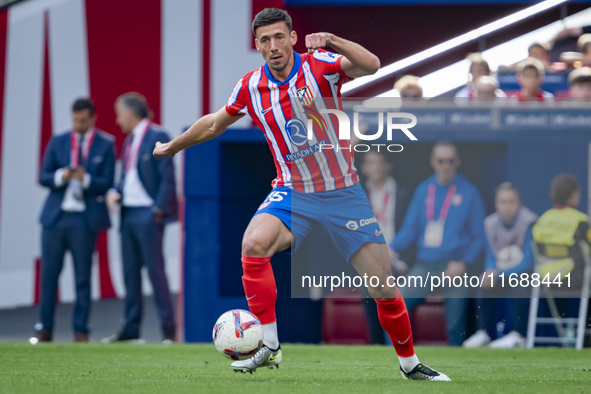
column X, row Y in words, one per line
column 235, row 92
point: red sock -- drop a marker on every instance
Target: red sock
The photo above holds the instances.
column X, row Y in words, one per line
column 259, row 286
column 394, row 319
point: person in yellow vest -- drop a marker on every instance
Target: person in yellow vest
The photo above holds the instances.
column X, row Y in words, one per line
column 563, row 225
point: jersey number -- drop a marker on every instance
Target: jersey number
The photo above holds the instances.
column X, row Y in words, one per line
column 276, row 196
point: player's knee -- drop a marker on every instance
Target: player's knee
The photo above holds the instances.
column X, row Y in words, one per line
column 384, row 293
column 255, row 247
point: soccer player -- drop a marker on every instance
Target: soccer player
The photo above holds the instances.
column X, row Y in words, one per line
column 323, row 181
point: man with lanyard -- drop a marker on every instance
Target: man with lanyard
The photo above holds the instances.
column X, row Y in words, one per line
column 147, row 192
column 78, row 168
column 445, row 220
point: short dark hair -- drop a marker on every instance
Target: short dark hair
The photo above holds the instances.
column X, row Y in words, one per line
column 543, row 47
column 476, row 58
column 531, row 63
column 136, row 103
column 446, row 143
column 269, row 16
column 83, row 103
column 579, row 76
column 562, row 187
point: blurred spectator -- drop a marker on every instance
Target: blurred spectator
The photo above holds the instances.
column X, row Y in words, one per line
column 537, row 51
column 505, row 247
column 381, row 188
column 570, row 32
column 541, row 52
column 388, row 200
column 564, row 225
column 584, row 46
column 580, row 58
column 78, row 168
column 566, row 41
column 147, row 192
column 445, row 221
column 579, row 81
column 409, row 88
column 486, row 88
column 478, row 68
column 530, row 76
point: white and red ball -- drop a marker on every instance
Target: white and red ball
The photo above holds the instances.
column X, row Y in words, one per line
column 237, row 334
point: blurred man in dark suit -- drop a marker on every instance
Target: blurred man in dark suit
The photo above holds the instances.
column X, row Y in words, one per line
column 78, row 168
column 147, row 194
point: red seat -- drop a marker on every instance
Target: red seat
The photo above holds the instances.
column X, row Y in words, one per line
column 344, row 320
column 428, row 322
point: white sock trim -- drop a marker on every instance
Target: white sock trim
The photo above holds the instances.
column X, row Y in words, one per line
column 408, row 363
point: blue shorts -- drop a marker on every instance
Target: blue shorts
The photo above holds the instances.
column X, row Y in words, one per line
column 344, row 214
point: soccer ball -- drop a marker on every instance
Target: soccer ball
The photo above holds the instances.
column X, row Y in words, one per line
column 237, row 334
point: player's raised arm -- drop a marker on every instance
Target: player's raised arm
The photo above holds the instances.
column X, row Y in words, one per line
column 357, row 61
column 204, row 129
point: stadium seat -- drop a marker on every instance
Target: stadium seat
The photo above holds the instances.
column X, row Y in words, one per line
column 428, row 322
column 559, row 254
column 339, row 309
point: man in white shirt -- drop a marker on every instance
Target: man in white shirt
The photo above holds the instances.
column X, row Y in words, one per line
column 147, row 193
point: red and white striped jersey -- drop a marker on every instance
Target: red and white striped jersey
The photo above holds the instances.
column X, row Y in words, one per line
column 279, row 109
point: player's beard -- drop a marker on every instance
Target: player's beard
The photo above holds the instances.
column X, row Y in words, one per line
column 279, row 67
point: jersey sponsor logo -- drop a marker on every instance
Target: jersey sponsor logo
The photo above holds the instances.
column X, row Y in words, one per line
column 306, row 151
column 297, row 132
column 305, row 95
column 365, row 222
column 352, row 225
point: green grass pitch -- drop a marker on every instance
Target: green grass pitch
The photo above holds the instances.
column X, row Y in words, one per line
column 117, row 368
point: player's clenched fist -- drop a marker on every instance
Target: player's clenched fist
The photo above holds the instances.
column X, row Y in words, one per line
column 317, row 40
column 162, row 150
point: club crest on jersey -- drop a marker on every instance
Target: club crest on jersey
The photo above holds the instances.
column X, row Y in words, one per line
column 305, row 95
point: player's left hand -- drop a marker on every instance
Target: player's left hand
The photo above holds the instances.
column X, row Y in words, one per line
column 315, row 41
